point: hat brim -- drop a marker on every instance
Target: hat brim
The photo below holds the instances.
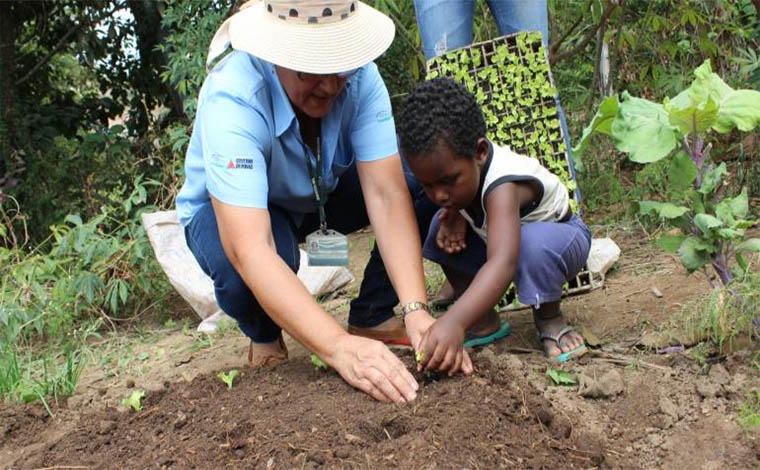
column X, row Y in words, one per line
column 314, row 48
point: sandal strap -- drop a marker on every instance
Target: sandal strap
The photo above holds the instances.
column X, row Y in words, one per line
column 558, row 337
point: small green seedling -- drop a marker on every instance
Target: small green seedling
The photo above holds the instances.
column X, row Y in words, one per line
column 229, row 377
column 319, row 364
column 560, row 377
column 134, row 399
column 420, row 354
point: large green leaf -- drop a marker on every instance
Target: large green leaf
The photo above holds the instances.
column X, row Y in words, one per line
column 664, row 210
column 694, row 253
column 730, row 233
column 708, row 84
column 723, row 212
column 682, row 171
column 642, row 130
column 753, row 244
column 670, row 243
column 694, row 118
column 712, row 179
column 740, row 204
column 740, row 108
column 601, row 123
column 705, row 222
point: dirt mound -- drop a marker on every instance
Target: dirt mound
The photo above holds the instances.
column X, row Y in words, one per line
column 295, row 416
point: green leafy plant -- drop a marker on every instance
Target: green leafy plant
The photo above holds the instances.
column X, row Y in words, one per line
column 560, row 377
column 708, row 227
column 134, row 400
column 228, row 377
column 319, row 364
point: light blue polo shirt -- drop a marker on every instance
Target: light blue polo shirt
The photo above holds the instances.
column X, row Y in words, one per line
column 246, row 147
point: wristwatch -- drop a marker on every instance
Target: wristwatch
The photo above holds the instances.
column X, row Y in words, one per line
column 413, row 307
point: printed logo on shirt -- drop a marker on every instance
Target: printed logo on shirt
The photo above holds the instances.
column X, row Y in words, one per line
column 231, row 163
column 383, row 116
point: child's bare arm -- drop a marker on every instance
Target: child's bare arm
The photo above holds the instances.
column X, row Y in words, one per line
column 447, row 333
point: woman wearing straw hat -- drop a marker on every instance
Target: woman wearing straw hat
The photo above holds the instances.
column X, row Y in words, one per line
column 294, row 135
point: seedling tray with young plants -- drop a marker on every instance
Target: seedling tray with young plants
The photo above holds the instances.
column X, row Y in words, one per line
column 511, row 80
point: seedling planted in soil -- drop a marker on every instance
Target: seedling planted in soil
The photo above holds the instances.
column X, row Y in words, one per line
column 134, row 400
column 319, row 364
column 229, row 377
column 560, row 377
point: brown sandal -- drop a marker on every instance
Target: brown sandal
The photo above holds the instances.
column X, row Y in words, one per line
column 268, row 360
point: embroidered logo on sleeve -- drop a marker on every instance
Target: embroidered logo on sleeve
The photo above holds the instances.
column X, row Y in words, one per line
column 383, row 116
column 232, row 163
column 240, row 163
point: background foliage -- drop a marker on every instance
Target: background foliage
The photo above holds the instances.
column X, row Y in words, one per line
column 96, row 106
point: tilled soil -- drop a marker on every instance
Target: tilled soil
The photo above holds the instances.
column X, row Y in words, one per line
column 297, row 417
column 636, row 408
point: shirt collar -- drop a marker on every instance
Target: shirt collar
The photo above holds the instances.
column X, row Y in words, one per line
column 283, row 111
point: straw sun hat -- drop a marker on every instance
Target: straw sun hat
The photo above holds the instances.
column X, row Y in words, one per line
column 314, row 36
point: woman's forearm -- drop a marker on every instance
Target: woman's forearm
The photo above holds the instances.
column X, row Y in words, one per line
column 249, row 245
column 391, row 214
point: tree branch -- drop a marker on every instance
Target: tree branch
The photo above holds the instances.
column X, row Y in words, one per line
column 589, row 35
column 63, row 41
column 554, row 46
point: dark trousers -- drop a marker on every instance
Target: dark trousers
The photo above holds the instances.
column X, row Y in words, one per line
column 346, row 213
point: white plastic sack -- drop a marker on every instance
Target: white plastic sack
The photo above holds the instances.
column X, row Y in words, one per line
column 167, row 237
column 603, row 254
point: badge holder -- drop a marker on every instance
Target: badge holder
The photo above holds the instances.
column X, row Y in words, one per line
column 324, row 247
column 327, row 248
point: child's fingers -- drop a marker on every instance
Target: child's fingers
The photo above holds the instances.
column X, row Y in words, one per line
column 457, row 363
column 448, row 360
column 467, row 367
column 436, row 358
column 440, row 241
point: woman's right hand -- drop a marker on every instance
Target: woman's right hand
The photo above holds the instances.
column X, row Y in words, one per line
column 452, row 230
column 371, row 367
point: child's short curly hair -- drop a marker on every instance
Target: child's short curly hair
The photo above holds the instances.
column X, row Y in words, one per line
column 440, row 109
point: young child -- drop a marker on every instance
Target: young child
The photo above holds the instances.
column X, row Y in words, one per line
column 504, row 218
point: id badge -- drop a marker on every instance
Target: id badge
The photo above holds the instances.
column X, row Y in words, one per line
column 327, row 248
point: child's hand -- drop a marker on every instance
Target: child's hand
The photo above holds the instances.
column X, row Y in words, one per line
column 443, row 349
column 450, row 237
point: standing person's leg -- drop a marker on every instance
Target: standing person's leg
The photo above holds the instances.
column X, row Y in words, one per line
column 371, row 311
column 513, row 16
column 444, row 24
column 232, row 294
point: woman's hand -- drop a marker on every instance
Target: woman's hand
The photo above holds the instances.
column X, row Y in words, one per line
column 451, row 234
column 417, row 323
column 372, row 368
column 443, row 350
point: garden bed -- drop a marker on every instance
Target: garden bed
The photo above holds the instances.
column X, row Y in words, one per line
column 674, row 410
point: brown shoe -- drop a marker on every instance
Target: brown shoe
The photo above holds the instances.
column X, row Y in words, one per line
column 391, row 332
column 267, row 359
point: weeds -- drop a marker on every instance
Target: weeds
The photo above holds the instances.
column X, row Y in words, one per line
column 720, row 318
column 749, row 413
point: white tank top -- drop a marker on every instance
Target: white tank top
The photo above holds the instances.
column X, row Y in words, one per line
column 504, row 165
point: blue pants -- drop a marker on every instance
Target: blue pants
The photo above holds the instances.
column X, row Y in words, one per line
column 346, row 213
column 551, row 253
column 448, row 24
